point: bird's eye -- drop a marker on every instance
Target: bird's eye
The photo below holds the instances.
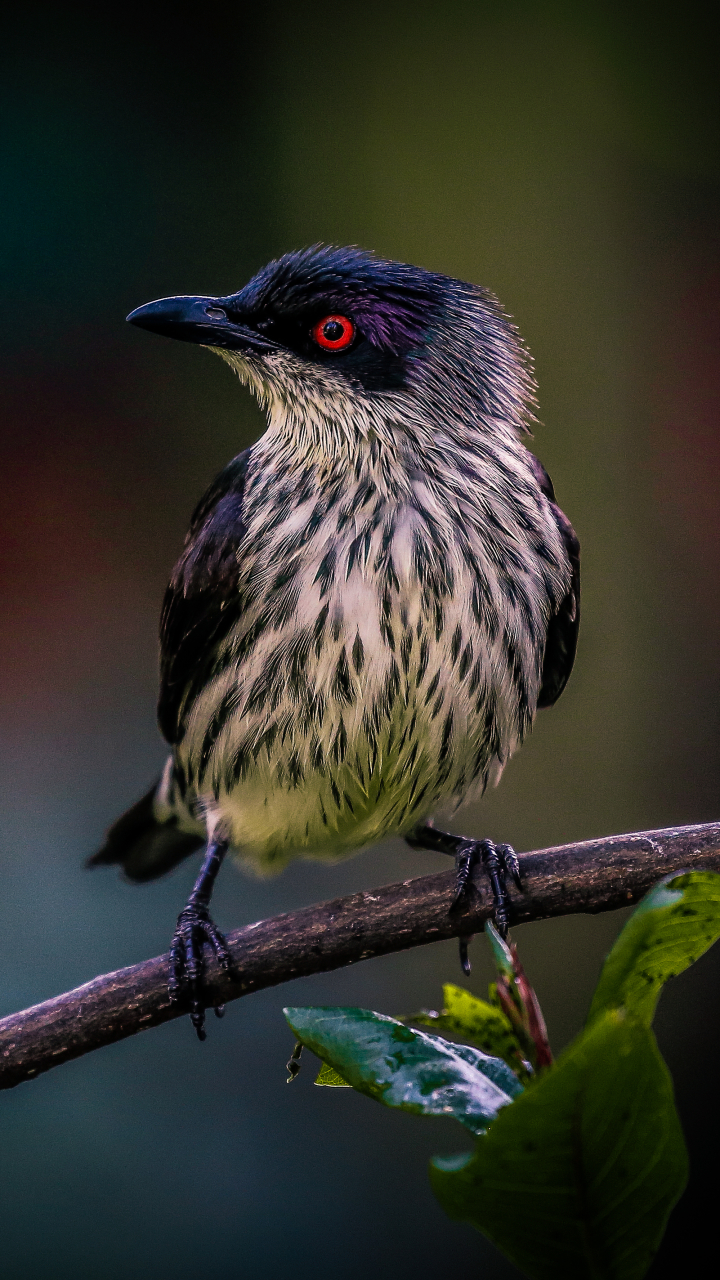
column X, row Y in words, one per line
column 334, row 333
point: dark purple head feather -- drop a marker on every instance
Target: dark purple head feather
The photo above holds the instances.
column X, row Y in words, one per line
column 415, row 329
column 393, row 304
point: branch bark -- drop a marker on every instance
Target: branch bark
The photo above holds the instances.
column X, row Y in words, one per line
column 592, row 876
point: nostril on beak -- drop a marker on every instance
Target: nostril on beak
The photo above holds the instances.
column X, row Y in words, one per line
column 215, row 313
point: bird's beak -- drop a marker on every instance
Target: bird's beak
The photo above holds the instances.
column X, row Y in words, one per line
column 203, row 320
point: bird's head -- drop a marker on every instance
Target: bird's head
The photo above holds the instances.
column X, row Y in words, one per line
column 342, row 345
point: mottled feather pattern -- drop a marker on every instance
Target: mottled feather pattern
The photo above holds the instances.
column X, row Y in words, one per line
column 355, row 637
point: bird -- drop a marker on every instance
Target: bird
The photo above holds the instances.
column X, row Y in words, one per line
column 373, row 600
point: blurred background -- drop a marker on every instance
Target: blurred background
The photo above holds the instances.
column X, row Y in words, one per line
column 566, row 156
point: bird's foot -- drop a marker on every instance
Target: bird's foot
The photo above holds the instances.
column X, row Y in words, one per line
column 498, row 862
column 194, row 928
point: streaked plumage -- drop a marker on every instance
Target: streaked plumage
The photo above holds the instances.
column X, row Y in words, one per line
column 376, row 597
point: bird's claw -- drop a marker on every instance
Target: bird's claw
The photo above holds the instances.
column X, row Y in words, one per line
column 498, row 862
column 194, row 928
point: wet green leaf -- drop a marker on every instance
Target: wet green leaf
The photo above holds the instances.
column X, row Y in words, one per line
column 674, row 924
column 483, row 1024
column 326, row 1076
column 576, row 1179
column 401, row 1067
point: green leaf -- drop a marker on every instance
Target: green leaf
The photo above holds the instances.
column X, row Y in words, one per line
column 475, row 1020
column 674, row 924
column 401, row 1067
column 576, row 1179
column 326, row 1076
column 502, row 955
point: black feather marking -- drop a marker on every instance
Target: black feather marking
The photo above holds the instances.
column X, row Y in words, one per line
column 316, row 706
column 391, row 577
column 342, row 688
column 338, row 751
column 267, row 688
column 388, row 634
column 459, row 787
column 286, row 724
column 405, row 651
column 424, row 658
column 421, row 557
column 295, row 770
column 320, row 621
column 456, row 643
column 446, row 736
column 479, row 761
column 476, row 677
column 202, row 602
column 265, row 741
column 371, row 726
column 239, row 764
column 421, row 795
column 326, row 572
column 562, row 632
column 432, row 687
column 219, row 719
column 358, row 653
column 284, row 605
column 286, row 574
column 319, row 629
column 335, row 793
column 415, row 783
column 439, row 620
column 391, row 687
column 352, row 556
column 297, row 660
column 412, row 757
column 465, row 660
column 483, row 609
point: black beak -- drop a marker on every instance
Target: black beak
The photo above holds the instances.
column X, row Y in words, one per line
column 203, row 320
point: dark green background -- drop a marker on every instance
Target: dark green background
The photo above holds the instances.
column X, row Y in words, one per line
column 566, row 156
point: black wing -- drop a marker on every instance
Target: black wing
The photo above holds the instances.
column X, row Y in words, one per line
column 563, row 626
column 202, row 601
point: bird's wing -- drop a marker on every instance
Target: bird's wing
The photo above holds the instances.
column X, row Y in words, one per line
column 563, row 625
column 202, row 601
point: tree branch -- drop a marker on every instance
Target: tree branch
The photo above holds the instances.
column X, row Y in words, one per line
column 595, row 875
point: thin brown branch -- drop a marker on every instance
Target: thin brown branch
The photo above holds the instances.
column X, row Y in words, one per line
column 595, row 875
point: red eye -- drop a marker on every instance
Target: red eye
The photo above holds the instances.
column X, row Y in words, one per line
column 334, row 333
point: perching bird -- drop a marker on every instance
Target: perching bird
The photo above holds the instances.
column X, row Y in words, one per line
column 372, row 601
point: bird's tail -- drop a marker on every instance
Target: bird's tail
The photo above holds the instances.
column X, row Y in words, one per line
column 147, row 841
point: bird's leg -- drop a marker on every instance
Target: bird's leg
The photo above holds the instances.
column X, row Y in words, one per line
column 194, row 929
column 497, row 860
